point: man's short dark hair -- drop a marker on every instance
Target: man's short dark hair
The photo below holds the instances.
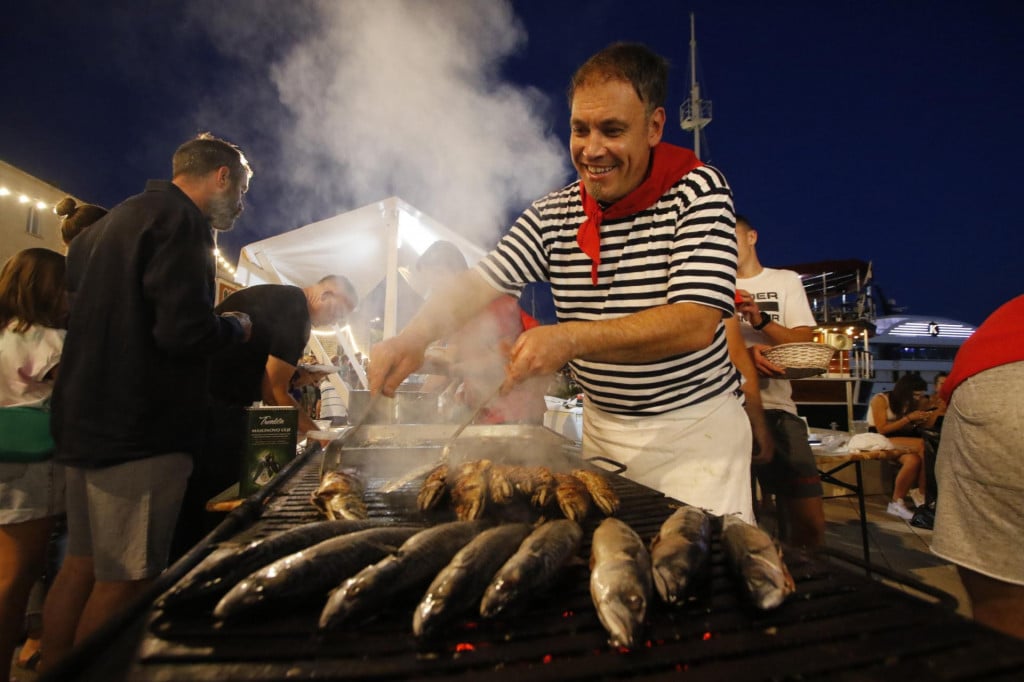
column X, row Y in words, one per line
column 442, row 255
column 634, row 63
column 346, row 287
column 205, row 153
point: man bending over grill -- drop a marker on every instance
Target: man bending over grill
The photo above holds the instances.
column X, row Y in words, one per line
column 641, row 257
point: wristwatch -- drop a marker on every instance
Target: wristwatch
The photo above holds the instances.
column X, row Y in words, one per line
column 765, row 319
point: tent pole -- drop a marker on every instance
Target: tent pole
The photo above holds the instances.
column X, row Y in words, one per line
column 391, row 276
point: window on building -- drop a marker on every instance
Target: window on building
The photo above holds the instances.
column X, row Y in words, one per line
column 32, row 224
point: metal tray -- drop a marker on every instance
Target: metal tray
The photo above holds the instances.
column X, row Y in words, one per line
column 391, row 449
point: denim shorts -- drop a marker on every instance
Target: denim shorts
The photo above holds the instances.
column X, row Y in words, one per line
column 30, row 491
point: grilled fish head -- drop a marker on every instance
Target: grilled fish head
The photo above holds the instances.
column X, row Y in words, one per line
column 620, row 597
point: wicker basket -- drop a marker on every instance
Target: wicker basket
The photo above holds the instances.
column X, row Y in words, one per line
column 801, row 360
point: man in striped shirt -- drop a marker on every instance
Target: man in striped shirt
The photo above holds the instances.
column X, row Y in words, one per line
column 641, row 257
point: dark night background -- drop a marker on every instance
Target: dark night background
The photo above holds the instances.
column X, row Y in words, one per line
column 887, row 131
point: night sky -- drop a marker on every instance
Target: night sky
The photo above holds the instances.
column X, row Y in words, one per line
column 888, row 131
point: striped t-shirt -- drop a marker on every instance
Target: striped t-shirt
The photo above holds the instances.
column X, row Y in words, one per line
column 681, row 249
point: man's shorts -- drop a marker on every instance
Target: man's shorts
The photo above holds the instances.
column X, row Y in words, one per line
column 30, row 491
column 123, row 516
column 979, row 518
column 792, row 472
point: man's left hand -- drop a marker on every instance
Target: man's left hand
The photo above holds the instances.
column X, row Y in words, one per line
column 541, row 350
column 765, row 367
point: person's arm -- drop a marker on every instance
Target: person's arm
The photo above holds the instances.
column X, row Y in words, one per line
column 777, row 334
column 178, row 283
column 392, row 360
column 277, row 376
column 646, row 336
column 764, row 446
column 879, row 411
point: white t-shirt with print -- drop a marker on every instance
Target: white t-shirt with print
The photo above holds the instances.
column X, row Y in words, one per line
column 780, row 295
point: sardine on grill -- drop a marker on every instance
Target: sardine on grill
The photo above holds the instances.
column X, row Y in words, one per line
column 573, row 498
column 469, row 489
column 543, row 486
column 222, row 569
column 340, row 496
column 680, row 552
column 620, row 581
column 460, row 585
column 434, row 488
column 311, row 572
column 499, row 484
column 534, row 566
column 415, row 563
column 757, row 560
column 600, row 490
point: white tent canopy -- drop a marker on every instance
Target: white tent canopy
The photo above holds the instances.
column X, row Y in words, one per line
column 364, row 245
column 373, row 246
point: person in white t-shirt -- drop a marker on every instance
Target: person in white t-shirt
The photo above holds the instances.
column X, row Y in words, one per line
column 775, row 311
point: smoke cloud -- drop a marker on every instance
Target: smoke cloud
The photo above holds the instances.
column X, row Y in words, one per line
column 348, row 102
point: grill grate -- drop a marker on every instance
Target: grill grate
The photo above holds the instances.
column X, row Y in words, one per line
column 838, row 623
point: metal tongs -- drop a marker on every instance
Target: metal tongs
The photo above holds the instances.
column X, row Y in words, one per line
column 446, row 451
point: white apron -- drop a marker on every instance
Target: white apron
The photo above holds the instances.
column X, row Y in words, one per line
column 699, row 455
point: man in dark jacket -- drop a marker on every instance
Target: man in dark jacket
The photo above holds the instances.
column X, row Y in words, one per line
column 262, row 370
column 131, row 392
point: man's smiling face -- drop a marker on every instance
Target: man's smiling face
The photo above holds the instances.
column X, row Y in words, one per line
column 612, row 137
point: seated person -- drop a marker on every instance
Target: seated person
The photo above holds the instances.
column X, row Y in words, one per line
column 895, row 415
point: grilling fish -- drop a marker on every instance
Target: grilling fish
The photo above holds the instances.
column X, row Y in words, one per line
column 680, row 551
column 620, row 581
column 340, row 496
column 222, row 569
column 573, row 498
column 501, row 488
column 459, row 586
column 415, row 563
column 600, row 490
column 469, row 491
column 434, row 488
column 523, row 479
column 758, row 562
column 543, row 486
column 312, row 571
column 534, row 565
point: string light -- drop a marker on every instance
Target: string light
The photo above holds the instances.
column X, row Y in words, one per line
column 42, row 206
column 220, row 257
column 26, row 199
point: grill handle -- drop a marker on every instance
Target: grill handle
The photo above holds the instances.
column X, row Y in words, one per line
column 617, row 467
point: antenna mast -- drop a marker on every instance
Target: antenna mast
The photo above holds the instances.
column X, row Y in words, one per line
column 694, row 113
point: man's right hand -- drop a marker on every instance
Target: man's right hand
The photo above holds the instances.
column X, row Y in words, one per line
column 244, row 320
column 392, row 360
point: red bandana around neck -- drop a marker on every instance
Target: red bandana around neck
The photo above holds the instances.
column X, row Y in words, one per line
column 670, row 164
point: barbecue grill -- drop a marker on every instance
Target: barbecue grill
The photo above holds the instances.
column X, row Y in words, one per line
column 838, row 624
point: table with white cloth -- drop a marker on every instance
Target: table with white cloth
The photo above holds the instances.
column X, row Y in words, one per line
column 830, row 462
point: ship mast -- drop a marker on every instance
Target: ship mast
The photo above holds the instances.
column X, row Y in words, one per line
column 694, row 113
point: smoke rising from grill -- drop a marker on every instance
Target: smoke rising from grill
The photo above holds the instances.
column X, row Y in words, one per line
column 354, row 101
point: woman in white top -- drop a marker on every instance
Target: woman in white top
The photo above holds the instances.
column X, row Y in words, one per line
column 896, row 416
column 33, row 306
